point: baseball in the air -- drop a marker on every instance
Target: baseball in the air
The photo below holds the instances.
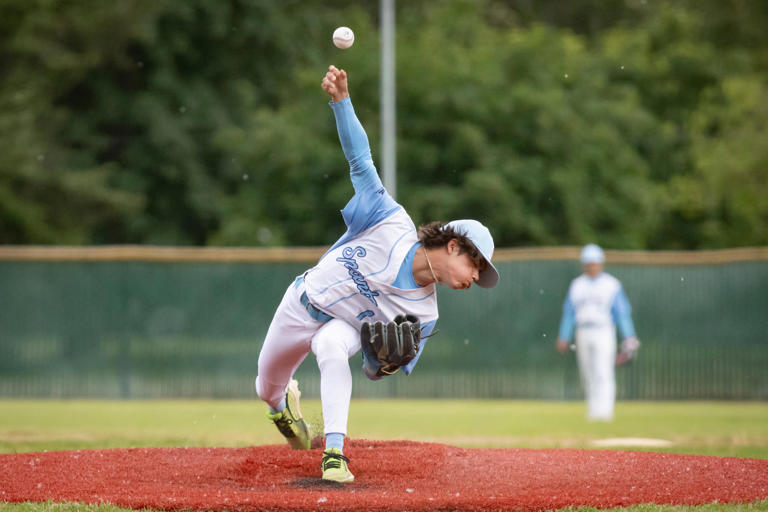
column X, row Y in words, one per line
column 343, row 37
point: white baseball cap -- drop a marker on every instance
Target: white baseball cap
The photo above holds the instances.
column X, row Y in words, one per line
column 592, row 253
column 482, row 239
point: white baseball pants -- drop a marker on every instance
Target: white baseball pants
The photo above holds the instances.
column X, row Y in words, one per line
column 291, row 335
column 596, row 353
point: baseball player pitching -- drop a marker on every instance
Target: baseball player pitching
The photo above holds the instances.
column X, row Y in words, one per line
column 594, row 306
column 374, row 289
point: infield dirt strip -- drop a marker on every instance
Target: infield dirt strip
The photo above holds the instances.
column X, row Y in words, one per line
column 389, row 476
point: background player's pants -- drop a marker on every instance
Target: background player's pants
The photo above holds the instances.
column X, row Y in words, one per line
column 596, row 353
column 291, row 335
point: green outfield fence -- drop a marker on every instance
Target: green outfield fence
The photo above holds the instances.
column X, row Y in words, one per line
column 154, row 322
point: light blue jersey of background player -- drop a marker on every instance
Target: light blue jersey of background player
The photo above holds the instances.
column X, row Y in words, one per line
column 594, row 306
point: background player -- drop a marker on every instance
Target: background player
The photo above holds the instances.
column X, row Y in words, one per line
column 381, row 267
column 594, row 305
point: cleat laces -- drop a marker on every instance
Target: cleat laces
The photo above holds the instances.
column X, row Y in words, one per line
column 284, row 426
column 333, row 460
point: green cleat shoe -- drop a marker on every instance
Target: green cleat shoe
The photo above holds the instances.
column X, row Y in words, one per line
column 289, row 421
column 335, row 466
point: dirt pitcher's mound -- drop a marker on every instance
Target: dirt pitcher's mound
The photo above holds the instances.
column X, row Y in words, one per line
column 389, row 476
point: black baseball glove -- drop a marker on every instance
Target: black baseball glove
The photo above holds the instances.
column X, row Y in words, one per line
column 386, row 346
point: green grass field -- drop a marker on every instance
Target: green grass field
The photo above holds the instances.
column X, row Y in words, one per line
column 705, row 428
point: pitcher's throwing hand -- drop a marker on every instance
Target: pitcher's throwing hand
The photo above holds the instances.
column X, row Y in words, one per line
column 335, row 83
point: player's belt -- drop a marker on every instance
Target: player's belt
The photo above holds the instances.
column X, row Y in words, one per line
column 591, row 325
column 312, row 310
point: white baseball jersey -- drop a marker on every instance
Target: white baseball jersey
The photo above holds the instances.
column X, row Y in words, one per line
column 355, row 280
column 596, row 302
column 592, row 299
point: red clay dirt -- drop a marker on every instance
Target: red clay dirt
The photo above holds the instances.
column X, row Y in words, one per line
column 388, row 476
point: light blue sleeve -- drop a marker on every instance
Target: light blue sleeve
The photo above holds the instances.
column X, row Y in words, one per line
column 568, row 320
column 426, row 330
column 371, row 203
column 621, row 312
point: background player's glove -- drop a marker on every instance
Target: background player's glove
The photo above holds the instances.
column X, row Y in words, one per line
column 629, row 348
column 386, row 346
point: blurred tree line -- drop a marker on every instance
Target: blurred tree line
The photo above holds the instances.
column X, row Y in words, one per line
column 632, row 123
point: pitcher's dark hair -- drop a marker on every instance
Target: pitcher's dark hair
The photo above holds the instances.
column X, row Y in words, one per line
column 438, row 234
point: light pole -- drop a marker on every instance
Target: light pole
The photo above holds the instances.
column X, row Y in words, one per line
column 388, row 120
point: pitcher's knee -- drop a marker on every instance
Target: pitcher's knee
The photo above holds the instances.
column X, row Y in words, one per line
column 335, row 340
column 330, row 353
column 269, row 393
